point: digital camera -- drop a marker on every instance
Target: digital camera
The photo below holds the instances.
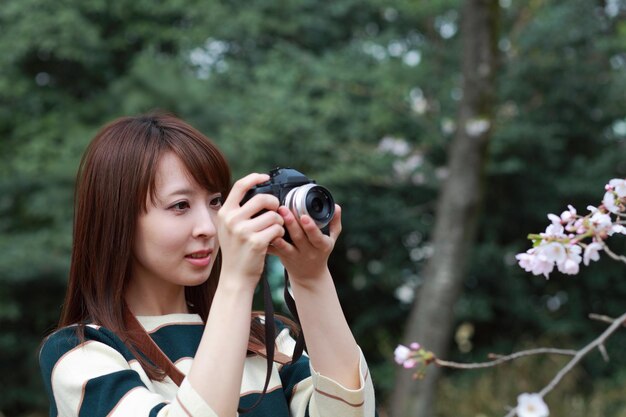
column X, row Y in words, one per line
column 299, row 194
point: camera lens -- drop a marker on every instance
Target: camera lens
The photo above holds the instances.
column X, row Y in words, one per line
column 314, row 200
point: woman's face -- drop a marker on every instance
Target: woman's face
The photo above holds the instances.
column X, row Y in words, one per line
column 176, row 241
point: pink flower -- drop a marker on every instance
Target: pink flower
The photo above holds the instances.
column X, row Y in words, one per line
column 531, row 405
column 592, row 252
column 569, row 267
column 552, row 251
column 535, row 261
column 542, row 265
column 569, row 215
column 409, row 363
column 562, row 243
column 619, row 186
column 402, row 354
column 554, row 218
column 601, row 222
column 525, row 260
column 617, row 228
column 554, row 230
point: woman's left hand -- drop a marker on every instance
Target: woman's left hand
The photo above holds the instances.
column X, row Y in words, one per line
column 306, row 257
column 330, row 343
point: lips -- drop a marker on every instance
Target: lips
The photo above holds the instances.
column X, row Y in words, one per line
column 198, row 255
column 199, row 258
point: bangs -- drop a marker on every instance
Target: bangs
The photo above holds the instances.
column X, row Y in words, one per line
column 204, row 162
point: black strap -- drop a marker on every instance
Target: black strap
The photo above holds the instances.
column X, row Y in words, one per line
column 291, row 305
column 270, row 336
column 270, row 333
column 150, row 349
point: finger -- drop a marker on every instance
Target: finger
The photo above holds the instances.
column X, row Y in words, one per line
column 263, row 221
column 292, row 225
column 280, row 247
column 259, row 203
column 312, row 232
column 241, row 187
column 335, row 224
column 263, row 238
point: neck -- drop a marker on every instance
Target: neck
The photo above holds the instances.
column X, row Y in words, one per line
column 148, row 300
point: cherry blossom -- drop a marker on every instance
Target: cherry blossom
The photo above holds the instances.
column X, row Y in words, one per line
column 615, row 193
column 569, row 233
column 569, row 240
column 531, row 405
column 401, row 354
column 592, row 252
column 414, row 356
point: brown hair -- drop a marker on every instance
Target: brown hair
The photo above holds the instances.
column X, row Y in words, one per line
column 115, row 176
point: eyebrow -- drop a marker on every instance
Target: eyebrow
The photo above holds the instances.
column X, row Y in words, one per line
column 179, row 191
column 186, row 191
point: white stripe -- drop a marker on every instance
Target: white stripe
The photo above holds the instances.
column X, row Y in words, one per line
column 71, row 373
column 152, row 323
column 135, row 403
column 254, row 373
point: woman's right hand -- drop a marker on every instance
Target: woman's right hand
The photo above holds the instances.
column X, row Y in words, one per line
column 245, row 237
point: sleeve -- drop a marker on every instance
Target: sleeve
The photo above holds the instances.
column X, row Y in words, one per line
column 94, row 377
column 311, row 394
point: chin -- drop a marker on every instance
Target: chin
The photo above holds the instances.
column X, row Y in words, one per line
column 197, row 278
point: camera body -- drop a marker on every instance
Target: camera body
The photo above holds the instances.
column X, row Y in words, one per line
column 299, row 194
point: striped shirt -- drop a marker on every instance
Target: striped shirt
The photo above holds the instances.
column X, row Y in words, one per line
column 99, row 376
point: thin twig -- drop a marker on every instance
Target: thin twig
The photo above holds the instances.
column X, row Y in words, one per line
column 617, row 323
column 501, row 359
column 613, row 254
column 604, row 353
column 603, row 318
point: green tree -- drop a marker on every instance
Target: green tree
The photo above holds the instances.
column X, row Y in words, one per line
column 358, row 95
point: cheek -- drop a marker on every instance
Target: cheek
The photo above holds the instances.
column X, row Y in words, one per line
column 156, row 238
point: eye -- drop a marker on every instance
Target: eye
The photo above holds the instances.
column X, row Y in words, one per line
column 216, row 201
column 180, row 206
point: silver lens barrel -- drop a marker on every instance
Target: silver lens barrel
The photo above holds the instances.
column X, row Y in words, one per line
column 313, row 200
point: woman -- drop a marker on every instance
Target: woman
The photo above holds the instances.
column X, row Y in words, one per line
column 163, row 247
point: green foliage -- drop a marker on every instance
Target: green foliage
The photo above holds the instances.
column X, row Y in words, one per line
column 552, row 147
column 317, row 86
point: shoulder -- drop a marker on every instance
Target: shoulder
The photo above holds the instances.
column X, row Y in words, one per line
column 87, row 370
column 68, row 339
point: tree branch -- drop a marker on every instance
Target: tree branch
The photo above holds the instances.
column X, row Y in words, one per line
column 501, row 359
column 596, row 343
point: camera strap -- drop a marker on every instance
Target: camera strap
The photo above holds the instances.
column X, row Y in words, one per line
column 144, row 343
column 149, row 348
column 270, row 335
column 291, row 305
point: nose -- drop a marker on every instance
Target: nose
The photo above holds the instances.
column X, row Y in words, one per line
column 204, row 223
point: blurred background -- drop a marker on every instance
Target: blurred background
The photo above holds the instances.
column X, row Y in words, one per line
column 446, row 129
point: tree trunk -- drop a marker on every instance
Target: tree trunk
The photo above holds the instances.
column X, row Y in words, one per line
column 432, row 317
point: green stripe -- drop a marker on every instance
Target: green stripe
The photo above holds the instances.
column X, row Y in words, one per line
column 104, row 392
column 156, row 409
column 109, row 338
column 292, row 374
column 273, row 404
column 186, row 337
column 55, row 346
